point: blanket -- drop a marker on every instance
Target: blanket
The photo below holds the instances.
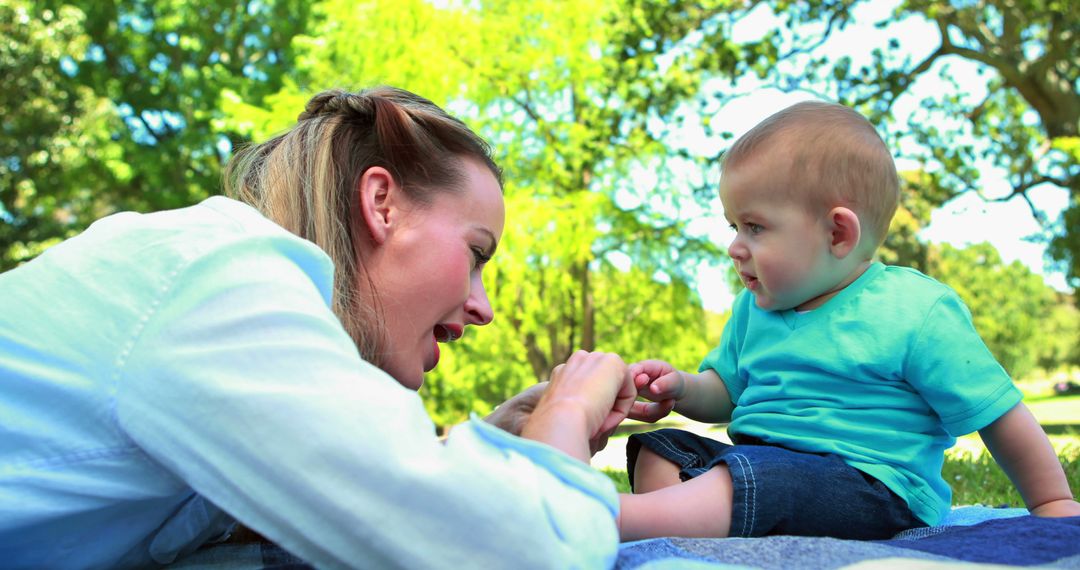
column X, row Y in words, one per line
column 970, row 535
column 979, row 537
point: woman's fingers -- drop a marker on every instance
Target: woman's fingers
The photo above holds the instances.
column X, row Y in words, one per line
column 651, row 411
column 598, row 383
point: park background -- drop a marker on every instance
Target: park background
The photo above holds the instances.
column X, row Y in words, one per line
column 608, row 117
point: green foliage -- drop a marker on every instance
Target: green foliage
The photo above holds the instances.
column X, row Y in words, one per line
column 112, row 105
column 920, row 194
column 1026, row 124
column 535, row 294
column 579, row 102
column 714, row 327
column 55, row 132
column 575, row 101
column 1009, row 304
column 1060, row 344
column 619, row 477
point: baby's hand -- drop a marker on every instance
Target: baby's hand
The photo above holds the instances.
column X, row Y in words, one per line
column 1061, row 508
column 659, row 382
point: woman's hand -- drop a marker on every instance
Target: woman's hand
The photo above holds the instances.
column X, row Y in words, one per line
column 586, row 398
column 512, row 415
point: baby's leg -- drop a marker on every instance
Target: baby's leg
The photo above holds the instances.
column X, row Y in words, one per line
column 700, row 507
column 653, row 472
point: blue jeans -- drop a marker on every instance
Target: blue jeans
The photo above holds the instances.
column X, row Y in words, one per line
column 780, row 491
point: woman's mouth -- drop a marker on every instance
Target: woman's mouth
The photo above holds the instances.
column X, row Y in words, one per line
column 442, row 333
column 429, row 366
column 447, row 332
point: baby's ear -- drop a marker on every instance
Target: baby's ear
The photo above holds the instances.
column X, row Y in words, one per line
column 845, row 231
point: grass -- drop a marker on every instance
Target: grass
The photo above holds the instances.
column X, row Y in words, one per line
column 619, row 476
column 975, row 477
column 973, row 474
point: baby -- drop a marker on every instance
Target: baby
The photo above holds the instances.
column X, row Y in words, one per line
column 844, row 380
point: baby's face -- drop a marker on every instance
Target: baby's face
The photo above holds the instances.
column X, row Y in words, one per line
column 781, row 250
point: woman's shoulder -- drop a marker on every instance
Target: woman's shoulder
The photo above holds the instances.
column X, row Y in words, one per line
column 171, row 238
column 139, row 253
column 214, row 220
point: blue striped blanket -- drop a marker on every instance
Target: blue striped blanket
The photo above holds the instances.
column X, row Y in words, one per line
column 1008, row 537
column 970, row 535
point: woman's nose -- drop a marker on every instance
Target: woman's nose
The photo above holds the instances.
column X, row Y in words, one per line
column 478, row 309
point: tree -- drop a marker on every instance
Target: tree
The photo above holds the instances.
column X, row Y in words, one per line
column 1009, row 304
column 919, row 196
column 55, row 131
column 584, row 103
column 1025, row 123
column 1059, row 345
column 113, row 105
column 579, row 104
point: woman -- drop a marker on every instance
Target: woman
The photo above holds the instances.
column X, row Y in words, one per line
column 256, row 360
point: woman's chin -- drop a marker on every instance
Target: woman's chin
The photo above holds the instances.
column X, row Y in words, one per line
column 412, row 385
column 413, row 378
column 413, row 381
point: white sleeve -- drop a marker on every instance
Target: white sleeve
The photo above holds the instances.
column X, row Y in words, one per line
column 243, row 384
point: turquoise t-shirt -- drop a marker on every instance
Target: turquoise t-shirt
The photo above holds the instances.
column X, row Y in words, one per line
column 885, row 375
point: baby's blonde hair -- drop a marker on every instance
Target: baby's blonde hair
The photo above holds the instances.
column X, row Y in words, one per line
column 832, row 157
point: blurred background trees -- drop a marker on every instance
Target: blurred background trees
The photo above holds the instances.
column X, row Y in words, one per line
column 112, row 105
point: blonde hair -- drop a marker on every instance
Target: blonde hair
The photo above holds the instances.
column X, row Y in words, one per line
column 833, row 157
column 306, row 180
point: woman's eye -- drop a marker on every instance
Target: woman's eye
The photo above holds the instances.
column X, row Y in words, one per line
column 479, row 257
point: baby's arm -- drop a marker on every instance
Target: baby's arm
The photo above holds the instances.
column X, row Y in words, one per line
column 705, row 398
column 1022, row 450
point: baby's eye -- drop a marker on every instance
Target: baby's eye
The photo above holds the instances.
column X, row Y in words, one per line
column 755, row 228
column 733, row 228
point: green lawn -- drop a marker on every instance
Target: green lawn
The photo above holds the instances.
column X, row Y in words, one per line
column 975, row 477
column 622, row 484
column 1061, row 414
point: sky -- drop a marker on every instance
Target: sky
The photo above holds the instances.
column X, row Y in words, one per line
column 963, row 221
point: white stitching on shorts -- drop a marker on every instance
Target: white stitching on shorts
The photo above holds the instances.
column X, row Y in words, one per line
column 666, row 444
column 746, row 467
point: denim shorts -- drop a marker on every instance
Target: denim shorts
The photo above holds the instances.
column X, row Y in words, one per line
column 780, row 491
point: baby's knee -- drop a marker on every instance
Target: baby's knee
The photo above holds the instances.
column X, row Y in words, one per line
column 653, row 471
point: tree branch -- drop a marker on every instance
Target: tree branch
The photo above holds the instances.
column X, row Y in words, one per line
column 834, row 17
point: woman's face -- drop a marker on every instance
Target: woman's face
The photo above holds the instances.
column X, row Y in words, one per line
column 427, row 272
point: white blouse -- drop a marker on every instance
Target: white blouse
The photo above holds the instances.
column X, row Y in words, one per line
column 159, row 371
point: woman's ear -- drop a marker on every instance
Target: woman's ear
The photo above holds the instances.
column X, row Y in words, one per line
column 845, row 231
column 377, row 189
